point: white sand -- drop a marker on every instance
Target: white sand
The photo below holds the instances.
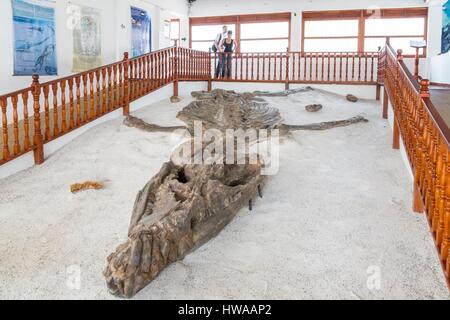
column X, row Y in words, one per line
column 339, row 205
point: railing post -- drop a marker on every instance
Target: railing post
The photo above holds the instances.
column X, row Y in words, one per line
column 385, row 104
column 379, row 75
column 400, row 55
column 286, row 85
column 396, row 136
column 210, row 77
column 425, row 88
column 38, row 139
column 175, row 81
column 126, row 85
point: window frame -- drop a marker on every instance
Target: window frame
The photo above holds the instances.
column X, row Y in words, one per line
column 238, row 20
column 362, row 16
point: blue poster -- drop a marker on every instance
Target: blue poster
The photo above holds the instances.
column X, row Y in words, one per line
column 446, row 28
column 141, row 32
column 34, row 39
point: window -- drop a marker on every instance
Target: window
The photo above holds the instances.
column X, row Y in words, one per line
column 253, row 33
column 400, row 31
column 203, row 36
column 331, row 36
column 265, row 37
column 363, row 30
column 175, row 32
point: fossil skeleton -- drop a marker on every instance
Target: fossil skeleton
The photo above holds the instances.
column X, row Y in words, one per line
column 184, row 206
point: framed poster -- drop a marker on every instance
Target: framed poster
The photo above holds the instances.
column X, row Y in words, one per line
column 141, row 30
column 34, row 39
column 446, row 28
column 87, row 39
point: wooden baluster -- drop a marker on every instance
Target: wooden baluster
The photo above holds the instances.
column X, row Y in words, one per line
column 104, row 95
column 130, row 80
column 71, row 103
column 439, row 191
column 47, row 113
column 341, row 67
column 443, row 230
column 322, row 78
column 121, row 84
column 26, row 124
column 359, row 67
column 366, row 67
column 316, row 57
column 38, row 140
column 264, row 67
column 353, row 66
column 115, row 80
column 78, row 119
column 335, row 66
column 372, row 65
column 55, row 109
column 141, row 76
column 287, row 70
column 346, row 67
column 126, row 93
column 329, row 67
column 63, row 107
column 293, row 66
column 305, row 66
column 275, row 59
column 311, row 66
column 91, row 96
column 3, row 102
column 280, row 59
column 16, row 147
column 110, row 90
column 98, row 93
column 85, row 97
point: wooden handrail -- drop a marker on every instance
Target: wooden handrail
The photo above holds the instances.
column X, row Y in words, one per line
column 426, row 137
column 57, row 107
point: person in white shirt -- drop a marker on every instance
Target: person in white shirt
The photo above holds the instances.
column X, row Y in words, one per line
column 216, row 47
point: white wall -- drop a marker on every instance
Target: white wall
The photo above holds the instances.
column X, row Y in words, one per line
column 115, row 40
column 439, row 64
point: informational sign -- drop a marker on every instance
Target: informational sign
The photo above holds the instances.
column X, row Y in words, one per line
column 34, row 39
column 141, row 32
column 87, row 39
column 446, row 28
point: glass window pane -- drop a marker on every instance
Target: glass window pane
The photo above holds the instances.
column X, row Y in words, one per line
column 331, row 28
column 265, row 30
column 372, row 44
column 395, row 27
column 405, row 45
column 264, row 45
column 175, row 30
column 331, row 45
column 209, row 32
column 202, row 45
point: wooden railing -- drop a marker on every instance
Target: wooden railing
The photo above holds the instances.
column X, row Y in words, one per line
column 298, row 67
column 426, row 138
column 43, row 112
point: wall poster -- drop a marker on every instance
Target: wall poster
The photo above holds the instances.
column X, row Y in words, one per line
column 87, row 39
column 141, row 32
column 34, row 39
column 446, row 28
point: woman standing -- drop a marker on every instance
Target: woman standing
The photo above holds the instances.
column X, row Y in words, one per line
column 227, row 47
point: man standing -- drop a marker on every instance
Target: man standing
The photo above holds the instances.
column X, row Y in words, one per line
column 216, row 48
